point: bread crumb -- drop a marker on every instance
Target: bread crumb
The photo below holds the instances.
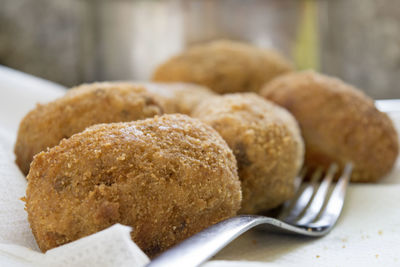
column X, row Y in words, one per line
column 122, row 157
column 317, row 256
column 377, row 256
column 343, row 246
column 380, row 232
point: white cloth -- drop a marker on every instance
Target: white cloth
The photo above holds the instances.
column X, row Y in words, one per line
column 110, row 247
column 367, row 234
column 19, row 93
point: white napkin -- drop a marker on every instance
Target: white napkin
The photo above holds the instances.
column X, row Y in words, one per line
column 19, row 93
column 110, row 247
column 367, row 233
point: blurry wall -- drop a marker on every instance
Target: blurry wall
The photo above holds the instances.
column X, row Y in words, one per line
column 43, row 37
column 361, row 44
column 75, row 41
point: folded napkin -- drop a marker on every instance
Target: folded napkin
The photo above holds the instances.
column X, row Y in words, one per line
column 111, row 247
column 366, row 234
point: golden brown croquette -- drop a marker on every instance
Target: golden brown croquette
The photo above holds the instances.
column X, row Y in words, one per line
column 179, row 97
column 168, row 177
column 339, row 123
column 81, row 107
column 267, row 144
column 224, row 66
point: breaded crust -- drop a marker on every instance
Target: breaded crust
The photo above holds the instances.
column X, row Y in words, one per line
column 224, row 66
column 168, row 177
column 267, row 144
column 338, row 122
column 81, row 107
column 179, row 97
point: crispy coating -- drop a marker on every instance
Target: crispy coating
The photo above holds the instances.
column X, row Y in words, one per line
column 338, row 122
column 81, row 107
column 224, row 66
column 168, row 177
column 267, row 144
column 179, row 97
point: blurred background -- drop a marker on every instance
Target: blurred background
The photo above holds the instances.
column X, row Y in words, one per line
column 76, row 41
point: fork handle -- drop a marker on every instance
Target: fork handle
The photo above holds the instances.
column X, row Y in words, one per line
column 205, row 244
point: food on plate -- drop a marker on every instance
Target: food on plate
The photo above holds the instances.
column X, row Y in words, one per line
column 224, row 66
column 339, row 123
column 81, row 107
column 168, row 177
column 267, row 144
column 179, row 97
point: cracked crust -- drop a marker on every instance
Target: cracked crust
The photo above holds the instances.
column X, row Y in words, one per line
column 167, row 177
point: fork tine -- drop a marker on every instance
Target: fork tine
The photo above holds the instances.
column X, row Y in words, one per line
column 334, row 206
column 317, row 202
column 288, row 205
column 301, row 200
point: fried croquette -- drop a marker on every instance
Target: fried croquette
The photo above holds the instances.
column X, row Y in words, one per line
column 224, row 66
column 339, row 123
column 168, row 177
column 179, row 97
column 81, row 107
column 267, row 144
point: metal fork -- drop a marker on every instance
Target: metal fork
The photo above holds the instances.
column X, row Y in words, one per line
column 312, row 212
